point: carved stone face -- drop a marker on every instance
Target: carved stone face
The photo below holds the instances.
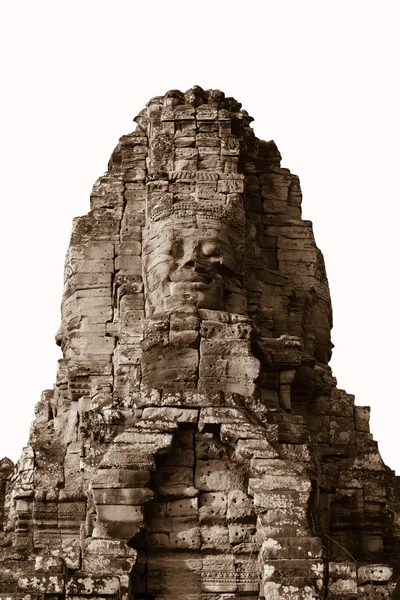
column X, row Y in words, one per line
column 190, row 263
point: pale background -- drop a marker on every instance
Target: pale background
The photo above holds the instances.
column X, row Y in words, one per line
column 320, row 78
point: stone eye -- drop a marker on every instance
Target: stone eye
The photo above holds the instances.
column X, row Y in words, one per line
column 177, row 249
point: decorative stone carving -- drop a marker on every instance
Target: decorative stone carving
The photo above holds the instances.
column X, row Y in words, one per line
column 195, row 445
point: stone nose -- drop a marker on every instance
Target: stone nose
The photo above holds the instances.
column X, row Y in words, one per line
column 59, row 337
column 190, row 264
column 190, row 259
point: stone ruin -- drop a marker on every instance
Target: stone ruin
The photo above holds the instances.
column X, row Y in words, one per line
column 195, row 445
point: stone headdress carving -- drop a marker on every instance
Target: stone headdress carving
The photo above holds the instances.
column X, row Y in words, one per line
column 231, row 213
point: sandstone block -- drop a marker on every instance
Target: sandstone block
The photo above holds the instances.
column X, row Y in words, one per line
column 159, row 540
column 42, row 583
column 240, row 506
column 296, row 548
column 178, row 415
column 362, row 414
column 280, row 482
column 181, row 457
column 185, row 507
column 213, row 506
column 258, row 448
column 130, row 457
column 278, row 468
column 175, row 481
column 219, row 476
column 120, row 478
column 374, row 573
column 185, row 538
column 214, row 537
column 241, row 533
column 83, row 584
column 270, row 499
column 120, row 513
column 129, row 496
column 218, row 415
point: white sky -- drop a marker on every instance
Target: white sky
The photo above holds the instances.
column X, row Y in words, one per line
column 320, row 78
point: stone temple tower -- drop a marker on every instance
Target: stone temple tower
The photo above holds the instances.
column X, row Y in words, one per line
column 195, row 445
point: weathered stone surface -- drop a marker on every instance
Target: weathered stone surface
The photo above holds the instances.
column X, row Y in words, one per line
column 195, row 445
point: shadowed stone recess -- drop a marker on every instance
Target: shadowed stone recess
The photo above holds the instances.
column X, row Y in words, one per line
column 195, row 445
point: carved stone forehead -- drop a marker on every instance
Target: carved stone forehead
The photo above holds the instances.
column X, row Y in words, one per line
column 197, row 228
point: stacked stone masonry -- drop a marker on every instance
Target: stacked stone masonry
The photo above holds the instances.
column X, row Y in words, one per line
column 195, row 445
